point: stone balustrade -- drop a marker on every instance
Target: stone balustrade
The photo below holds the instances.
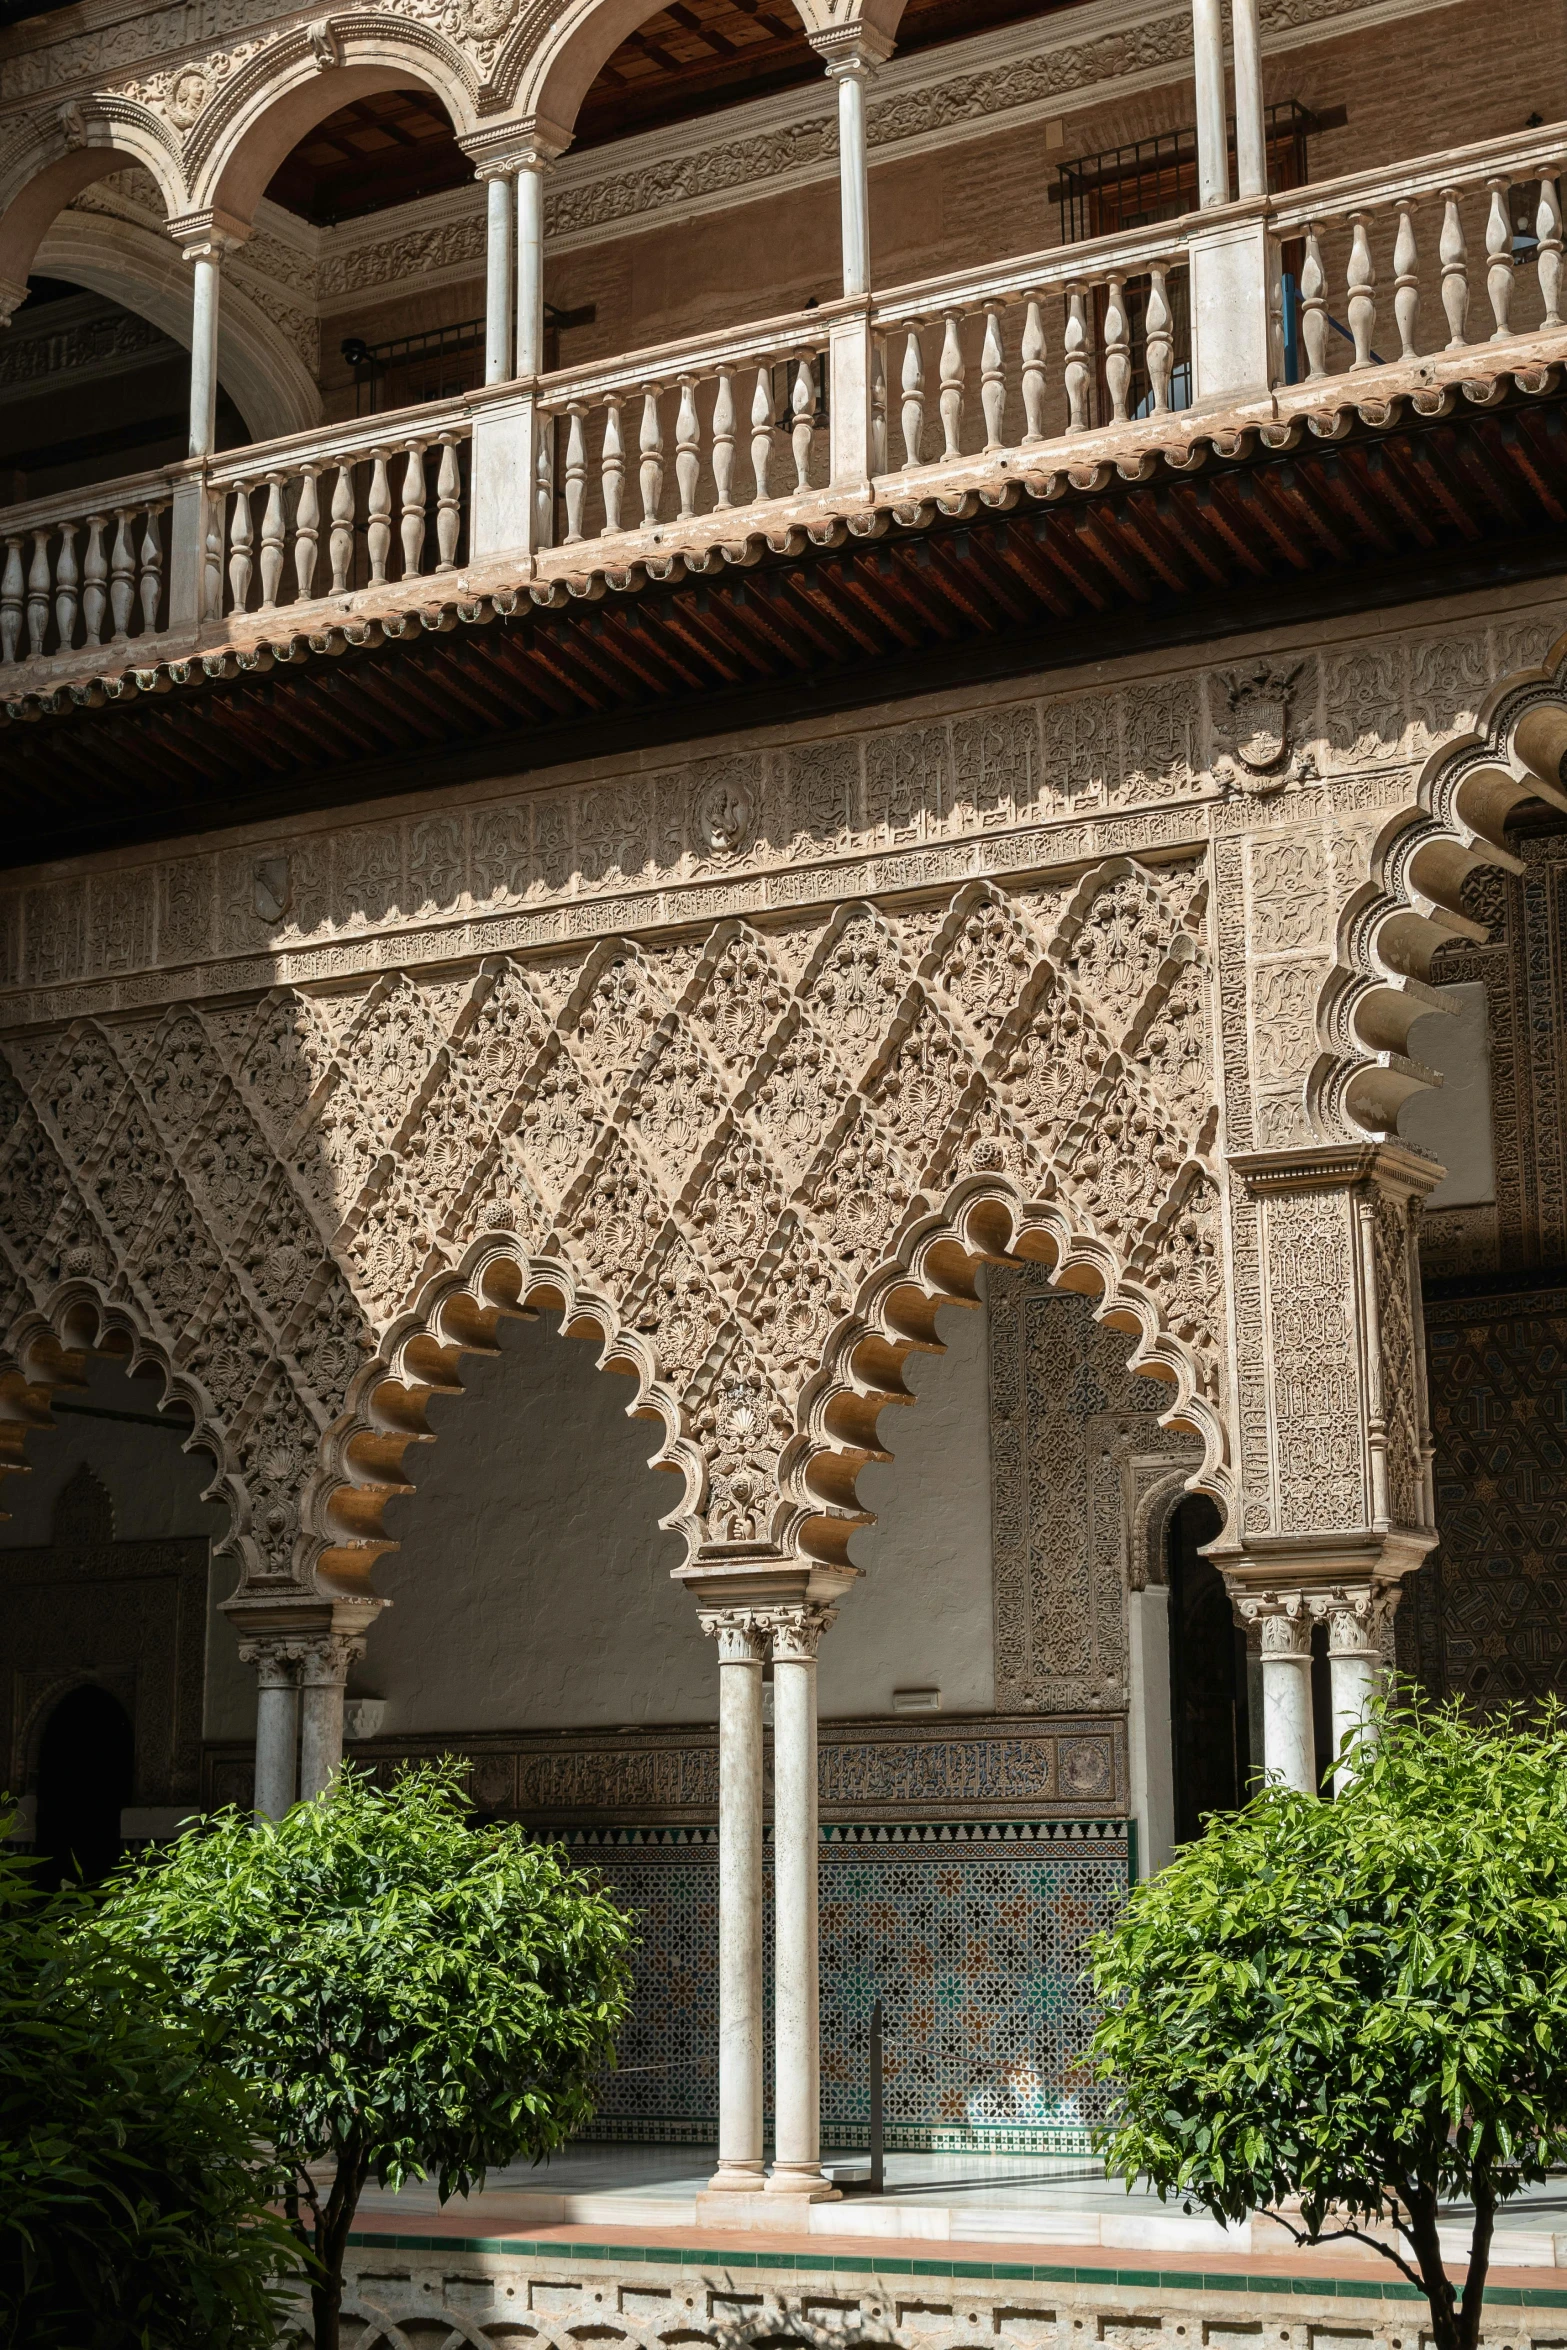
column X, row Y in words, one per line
column 1460, row 250
column 1449, row 267
column 325, row 514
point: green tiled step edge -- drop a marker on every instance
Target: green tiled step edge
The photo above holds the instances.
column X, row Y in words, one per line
column 1184, row 2280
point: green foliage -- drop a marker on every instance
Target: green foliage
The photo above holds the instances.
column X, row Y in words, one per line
column 410, row 1996
column 132, row 2191
column 1360, row 2003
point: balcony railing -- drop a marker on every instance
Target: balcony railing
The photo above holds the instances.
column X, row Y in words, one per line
column 1400, row 279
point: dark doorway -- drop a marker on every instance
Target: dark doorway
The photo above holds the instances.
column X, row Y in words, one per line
column 85, row 1776
column 1208, row 1714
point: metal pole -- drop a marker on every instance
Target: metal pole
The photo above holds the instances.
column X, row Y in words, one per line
column 878, row 2167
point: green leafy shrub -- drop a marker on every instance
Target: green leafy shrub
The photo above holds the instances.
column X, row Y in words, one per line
column 133, row 2192
column 1362, row 2004
column 410, row 1996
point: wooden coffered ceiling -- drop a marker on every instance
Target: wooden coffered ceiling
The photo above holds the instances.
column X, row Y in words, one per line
column 688, row 59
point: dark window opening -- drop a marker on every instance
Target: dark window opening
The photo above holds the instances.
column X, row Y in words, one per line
column 1209, row 1720
column 86, row 1766
column 410, row 371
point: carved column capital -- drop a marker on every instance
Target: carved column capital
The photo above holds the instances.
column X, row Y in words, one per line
column 1282, row 1620
column 324, row 1661
column 276, row 1659
column 796, row 1631
column 851, row 48
column 741, row 1634
column 208, row 236
column 1355, row 1617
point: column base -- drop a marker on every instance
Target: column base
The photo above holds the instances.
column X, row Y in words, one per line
column 806, row 2182
column 738, row 2178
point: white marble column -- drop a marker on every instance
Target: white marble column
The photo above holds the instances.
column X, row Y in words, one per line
column 852, row 75
column 530, row 267
column 323, row 1671
column 797, row 2164
column 500, row 203
column 1288, row 1749
column 1213, row 141
column 742, row 1646
column 277, row 1722
column 206, row 260
column 1353, row 1619
column 1251, row 138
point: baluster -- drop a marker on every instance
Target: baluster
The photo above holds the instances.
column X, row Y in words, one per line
column 953, row 376
column 149, row 585
column 1548, row 230
column 448, row 504
column 1453, row 253
column 652, row 453
column 95, row 575
column 688, row 448
column 1406, row 279
column 378, row 518
column 1078, row 354
column 122, row 573
column 1361, row 283
column 11, row 601
column 1499, row 259
column 1314, row 304
column 762, row 432
column 241, row 534
column 724, row 438
column 212, row 562
column 576, row 472
column 993, row 382
column 913, row 398
column 544, row 487
column 38, row 594
column 878, row 406
column 1035, row 390
column 1159, row 340
column 274, row 543
column 340, row 544
column 612, row 466
column 307, row 533
column 1118, row 350
column 802, row 402
column 66, row 579
column 410, row 522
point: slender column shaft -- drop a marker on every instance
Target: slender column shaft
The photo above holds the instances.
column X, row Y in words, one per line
column 501, row 210
column 1213, row 158
column 323, row 1673
column 741, row 1647
column 797, row 2168
column 530, row 269
column 1353, row 1658
column 205, row 267
column 1251, row 146
column 277, row 1724
column 1287, row 1744
column 854, row 179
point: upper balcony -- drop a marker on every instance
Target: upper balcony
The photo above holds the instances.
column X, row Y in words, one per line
column 1076, row 249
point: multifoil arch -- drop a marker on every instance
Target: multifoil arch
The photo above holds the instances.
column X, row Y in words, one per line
column 752, row 1161
column 1389, row 929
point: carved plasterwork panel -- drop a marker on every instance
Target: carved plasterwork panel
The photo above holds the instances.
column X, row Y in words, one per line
column 708, row 1151
column 1071, row 1440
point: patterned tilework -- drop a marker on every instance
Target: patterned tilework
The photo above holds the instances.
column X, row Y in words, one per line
column 973, row 1937
column 1484, row 1618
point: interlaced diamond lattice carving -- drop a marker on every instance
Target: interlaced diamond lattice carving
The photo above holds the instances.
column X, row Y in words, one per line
column 733, row 1154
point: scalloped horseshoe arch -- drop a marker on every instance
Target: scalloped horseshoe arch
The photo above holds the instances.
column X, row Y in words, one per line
column 754, row 1162
column 1388, row 932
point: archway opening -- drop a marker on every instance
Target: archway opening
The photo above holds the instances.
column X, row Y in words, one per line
column 91, row 391
column 86, row 1776
column 1209, row 1709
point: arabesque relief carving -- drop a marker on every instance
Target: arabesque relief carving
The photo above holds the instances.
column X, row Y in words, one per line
column 716, row 1149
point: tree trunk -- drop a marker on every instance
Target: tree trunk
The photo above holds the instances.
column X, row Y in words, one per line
column 1446, row 2327
column 326, row 2304
column 326, row 2299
